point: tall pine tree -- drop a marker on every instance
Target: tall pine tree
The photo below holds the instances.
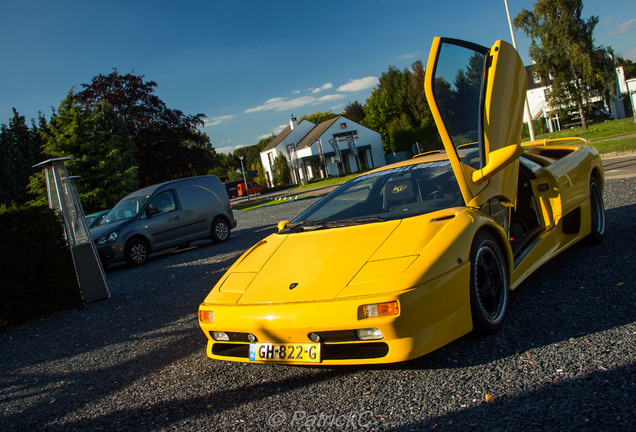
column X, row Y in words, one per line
column 103, row 155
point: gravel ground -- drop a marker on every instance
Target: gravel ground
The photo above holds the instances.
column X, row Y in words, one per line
column 564, row 360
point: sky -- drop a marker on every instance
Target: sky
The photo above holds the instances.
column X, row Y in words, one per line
column 249, row 65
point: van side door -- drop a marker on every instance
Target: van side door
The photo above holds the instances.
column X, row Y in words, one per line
column 163, row 220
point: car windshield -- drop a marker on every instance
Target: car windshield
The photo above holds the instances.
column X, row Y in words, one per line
column 127, row 208
column 395, row 193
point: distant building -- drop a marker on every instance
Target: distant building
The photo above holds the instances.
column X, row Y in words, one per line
column 540, row 107
column 334, row 147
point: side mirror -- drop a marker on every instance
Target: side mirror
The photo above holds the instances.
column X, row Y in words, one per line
column 282, row 225
column 497, row 160
column 152, row 210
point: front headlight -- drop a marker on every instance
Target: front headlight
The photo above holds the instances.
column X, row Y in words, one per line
column 109, row 238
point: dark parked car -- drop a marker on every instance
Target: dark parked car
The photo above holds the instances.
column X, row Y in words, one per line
column 94, row 219
column 162, row 216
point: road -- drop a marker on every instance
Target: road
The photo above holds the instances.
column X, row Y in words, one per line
column 621, row 165
column 565, row 358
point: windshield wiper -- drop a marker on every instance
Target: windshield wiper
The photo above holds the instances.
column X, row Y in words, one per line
column 309, row 225
column 351, row 222
column 306, row 225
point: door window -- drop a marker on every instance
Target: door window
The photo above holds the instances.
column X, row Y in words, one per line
column 162, row 203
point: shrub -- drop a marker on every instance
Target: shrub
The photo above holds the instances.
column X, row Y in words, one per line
column 36, row 264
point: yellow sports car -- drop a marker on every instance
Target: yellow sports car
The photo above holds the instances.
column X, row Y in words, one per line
column 409, row 257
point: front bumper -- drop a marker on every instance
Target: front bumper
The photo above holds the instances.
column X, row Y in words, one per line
column 430, row 316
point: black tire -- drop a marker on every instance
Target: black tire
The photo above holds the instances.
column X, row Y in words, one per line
column 220, row 230
column 489, row 284
column 597, row 209
column 136, row 252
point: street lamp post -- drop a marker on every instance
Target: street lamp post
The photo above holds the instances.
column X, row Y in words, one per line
column 527, row 110
column 244, row 179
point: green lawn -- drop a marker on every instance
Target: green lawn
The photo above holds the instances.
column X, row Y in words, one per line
column 606, row 137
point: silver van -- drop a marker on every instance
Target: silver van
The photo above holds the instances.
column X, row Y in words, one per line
column 162, row 216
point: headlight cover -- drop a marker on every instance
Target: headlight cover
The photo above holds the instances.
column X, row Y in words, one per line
column 109, row 238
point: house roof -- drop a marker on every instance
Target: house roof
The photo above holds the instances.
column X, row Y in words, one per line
column 316, row 133
column 279, row 138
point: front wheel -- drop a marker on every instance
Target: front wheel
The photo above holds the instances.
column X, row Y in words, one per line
column 489, row 284
column 136, row 252
column 220, row 230
column 597, row 209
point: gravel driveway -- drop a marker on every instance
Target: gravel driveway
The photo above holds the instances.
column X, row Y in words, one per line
column 564, row 360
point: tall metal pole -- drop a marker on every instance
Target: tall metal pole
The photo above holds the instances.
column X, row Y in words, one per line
column 527, row 110
column 244, row 179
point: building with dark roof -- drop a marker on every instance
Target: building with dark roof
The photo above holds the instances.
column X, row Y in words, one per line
column 334, row 147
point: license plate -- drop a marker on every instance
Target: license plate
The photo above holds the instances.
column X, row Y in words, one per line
column 300, row 352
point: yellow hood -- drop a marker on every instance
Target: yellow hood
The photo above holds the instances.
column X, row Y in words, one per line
column 321, row 263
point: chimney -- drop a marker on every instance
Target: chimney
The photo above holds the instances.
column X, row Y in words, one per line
column 292, row 122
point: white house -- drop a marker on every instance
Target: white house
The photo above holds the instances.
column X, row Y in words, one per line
column 334, row 147
column 540, row 107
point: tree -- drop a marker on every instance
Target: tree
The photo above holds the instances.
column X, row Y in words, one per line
column 563, row 48
column 168, row 144
column 103, row 155
column 629, row 67
column 20, row 149
column 399, row 102
column 319, row 117
column 354, row 112
column 282, row 173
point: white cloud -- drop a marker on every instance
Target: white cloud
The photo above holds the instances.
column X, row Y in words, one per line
column 217, row 120
column 278, row 129
column 408, row 56
column 623, row 27
column 331, row 97
column 281, row 104
column 323, row 87
column 228, row 149
column 359, row 84
column 296, row 92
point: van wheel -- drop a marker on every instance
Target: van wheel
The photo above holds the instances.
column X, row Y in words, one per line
column 220, row 230
column 136, row 252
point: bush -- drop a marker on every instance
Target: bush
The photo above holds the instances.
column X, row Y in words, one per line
column 36, row 264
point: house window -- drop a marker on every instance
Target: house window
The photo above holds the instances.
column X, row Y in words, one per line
column 343, row 125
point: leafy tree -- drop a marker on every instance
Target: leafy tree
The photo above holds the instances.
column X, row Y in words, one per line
column 319, row 117
column 99, row 142
column 167, row 142
column 379, row 113
column 563, row 48
column 629, row 67
column 282, row 173
column 263, row 143
column 355, row 112
column 399, row 102
column 20, row 149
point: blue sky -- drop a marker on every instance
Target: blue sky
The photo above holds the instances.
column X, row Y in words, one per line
column 248, row 65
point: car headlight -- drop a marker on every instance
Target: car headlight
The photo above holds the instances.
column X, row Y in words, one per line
column 109, row 238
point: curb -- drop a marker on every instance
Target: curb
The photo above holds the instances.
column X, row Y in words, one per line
column 621, row 153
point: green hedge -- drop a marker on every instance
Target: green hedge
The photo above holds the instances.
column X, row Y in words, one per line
column 38, row 277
